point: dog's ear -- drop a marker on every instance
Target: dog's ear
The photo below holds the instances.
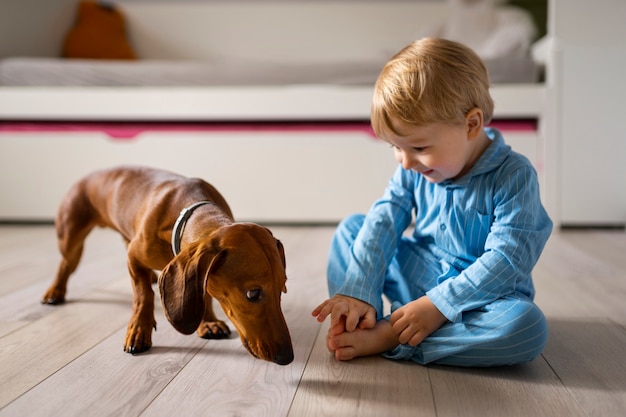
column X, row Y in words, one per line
column 218, row 260
column 281, row 252
column 182, row 287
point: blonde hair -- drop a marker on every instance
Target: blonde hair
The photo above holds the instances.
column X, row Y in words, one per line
column 430, row 81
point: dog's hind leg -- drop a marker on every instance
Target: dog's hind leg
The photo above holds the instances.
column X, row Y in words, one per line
column 74, row 221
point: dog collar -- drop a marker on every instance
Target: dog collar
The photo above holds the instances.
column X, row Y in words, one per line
column 181, row 221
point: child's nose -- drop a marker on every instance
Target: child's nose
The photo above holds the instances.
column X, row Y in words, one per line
column 407, row 161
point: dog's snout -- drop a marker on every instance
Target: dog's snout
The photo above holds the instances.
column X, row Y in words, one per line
column 284, row 358
column 284, row 355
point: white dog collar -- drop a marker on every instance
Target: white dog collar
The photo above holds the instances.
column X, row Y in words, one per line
column 179, row 225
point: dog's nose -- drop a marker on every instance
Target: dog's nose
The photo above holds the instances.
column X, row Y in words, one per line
column 284, row 358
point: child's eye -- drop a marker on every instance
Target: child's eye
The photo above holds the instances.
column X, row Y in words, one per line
column 419, row 148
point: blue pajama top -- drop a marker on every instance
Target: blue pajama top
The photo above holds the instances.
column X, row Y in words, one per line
column 488, row 228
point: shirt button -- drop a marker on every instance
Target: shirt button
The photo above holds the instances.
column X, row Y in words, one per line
column 442, row 226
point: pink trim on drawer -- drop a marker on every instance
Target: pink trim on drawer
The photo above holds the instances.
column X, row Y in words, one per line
column 515, row 125
column 123, row 130
column 129, row 130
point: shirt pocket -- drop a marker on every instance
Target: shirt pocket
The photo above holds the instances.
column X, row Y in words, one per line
column 476, row 229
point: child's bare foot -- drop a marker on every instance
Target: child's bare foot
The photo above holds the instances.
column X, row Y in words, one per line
column 363, row 342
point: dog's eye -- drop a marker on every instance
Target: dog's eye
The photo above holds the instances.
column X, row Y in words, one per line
column 253, row 295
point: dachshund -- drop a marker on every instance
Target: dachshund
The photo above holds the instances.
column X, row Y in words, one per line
column 184, row 228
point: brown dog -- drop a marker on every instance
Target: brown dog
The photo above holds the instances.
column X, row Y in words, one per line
column 159, row 214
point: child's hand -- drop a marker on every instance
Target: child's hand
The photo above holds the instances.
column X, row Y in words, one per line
column 416, row 320
column 346, row 313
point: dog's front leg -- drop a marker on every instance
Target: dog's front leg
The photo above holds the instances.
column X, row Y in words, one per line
column 139, row 333
column 211, row 327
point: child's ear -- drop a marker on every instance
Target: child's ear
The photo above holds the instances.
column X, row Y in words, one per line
column 474, row 119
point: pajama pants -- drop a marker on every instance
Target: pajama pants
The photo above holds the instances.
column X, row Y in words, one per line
column 507, row 331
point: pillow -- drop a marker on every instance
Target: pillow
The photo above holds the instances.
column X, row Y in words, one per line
column 98, row 33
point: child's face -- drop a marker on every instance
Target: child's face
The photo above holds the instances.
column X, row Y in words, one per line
column 438, row 151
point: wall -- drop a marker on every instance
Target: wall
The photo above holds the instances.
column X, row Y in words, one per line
column 211, row 29
column 46, row 23
column 585, row 114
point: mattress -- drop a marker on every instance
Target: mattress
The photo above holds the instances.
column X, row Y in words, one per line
column 82, row 72
column 46, row 72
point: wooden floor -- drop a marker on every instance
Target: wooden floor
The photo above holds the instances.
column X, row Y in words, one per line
column 68, row 360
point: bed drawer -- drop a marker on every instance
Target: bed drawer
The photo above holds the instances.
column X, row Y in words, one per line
column 523, row 136
column 287, row 172
column 266, row 175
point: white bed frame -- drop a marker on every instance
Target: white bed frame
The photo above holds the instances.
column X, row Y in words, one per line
column 274, row 170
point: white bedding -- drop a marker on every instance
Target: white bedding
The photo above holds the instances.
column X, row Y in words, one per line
column 77, row 72
column 80, row 72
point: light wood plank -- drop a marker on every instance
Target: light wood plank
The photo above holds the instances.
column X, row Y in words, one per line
column 15, row 237
column 363, row 387
column 8, row 326
column 519, row 391
column 225, row 379
column 576, row 278
column 106, row 381
column 589, row 356
column 581, row 286
column 608, row 246
column 293, row 312
column 26, row 254
column 62, row 360
column 36, row 261
column 38, row 350
column 104, row 261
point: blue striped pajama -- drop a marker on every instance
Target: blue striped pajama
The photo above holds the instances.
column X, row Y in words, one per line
column 473, row 246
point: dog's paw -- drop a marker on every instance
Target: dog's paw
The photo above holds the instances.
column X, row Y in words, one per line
column 53, row 296
column 138, row 338
column 213, row 330
column 134, row 350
